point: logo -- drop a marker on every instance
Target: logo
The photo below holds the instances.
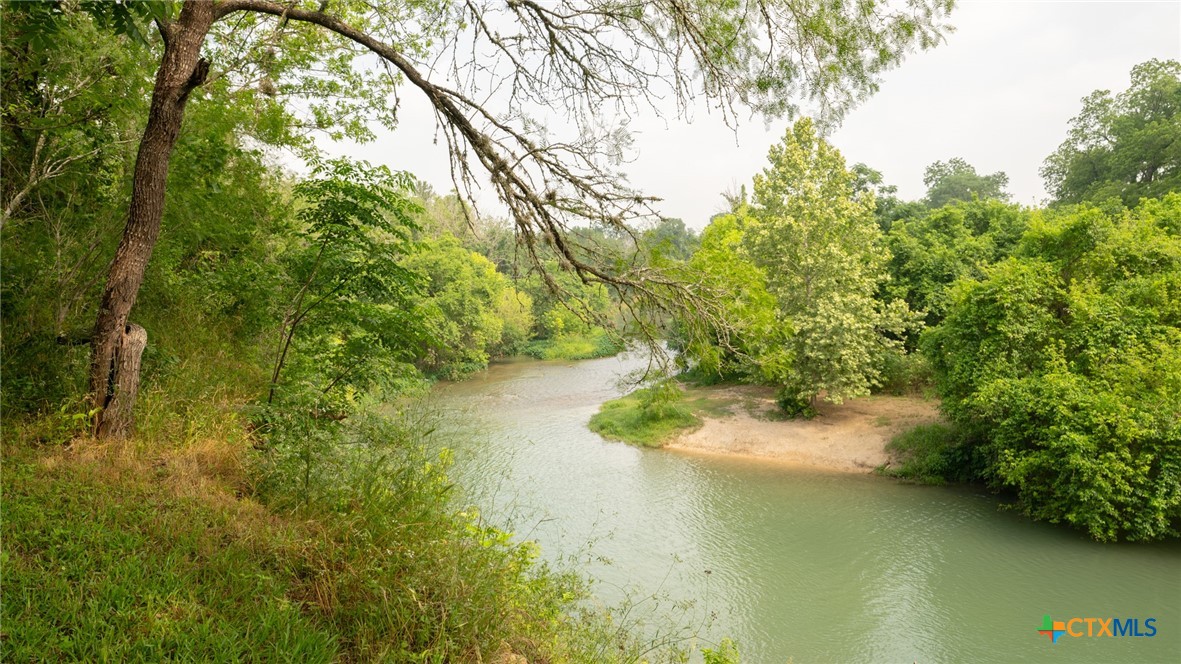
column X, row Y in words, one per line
column 1094, row 627
column 1052, row 629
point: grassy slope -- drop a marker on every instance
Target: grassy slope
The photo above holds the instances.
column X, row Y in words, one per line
column 108, row 556
column 163, row 548
column 112, row 552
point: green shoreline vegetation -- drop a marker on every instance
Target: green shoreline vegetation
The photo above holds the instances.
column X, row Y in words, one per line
column 650, row 416
column 201, row 348
column 590, row 345
column 1051, row 336
column 200, row 549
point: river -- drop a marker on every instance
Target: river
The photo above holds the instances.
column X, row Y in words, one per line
column 808, row 565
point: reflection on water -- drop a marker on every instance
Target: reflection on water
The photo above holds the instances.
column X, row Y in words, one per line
column 815, row 566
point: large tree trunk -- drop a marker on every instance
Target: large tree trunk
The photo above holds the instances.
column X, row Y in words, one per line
column 181, row 70
column 118, row 420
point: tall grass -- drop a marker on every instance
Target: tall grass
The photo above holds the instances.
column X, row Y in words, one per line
column 934, row 454
column 648, row 416
column 189, row 544
column 204, row 552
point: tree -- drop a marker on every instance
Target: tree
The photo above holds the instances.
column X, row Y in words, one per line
column 587, row 62
column 816, row 240
column 82, row 92
column 670, row 239
column 960, row 240
column 1063, row 366
column 349, row 295
column 750, row 340
column 1127, row 146
column 957, row 180
column 888, row 208
column 468, row 308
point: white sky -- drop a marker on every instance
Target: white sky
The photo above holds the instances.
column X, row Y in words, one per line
column 998, row 93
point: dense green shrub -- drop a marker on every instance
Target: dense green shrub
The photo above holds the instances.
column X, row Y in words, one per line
column 933, row 454
column 905, row 373
column 1064, row 364
column 929, row 252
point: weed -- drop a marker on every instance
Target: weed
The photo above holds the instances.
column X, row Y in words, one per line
column 933, row 454
column 647, row 417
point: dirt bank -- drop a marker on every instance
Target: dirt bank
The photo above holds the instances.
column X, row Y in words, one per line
column 850, row 437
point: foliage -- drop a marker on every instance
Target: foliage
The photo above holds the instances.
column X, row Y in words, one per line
column 1126, row 146
column 1063, row 365
column 70, row 111
column 469, row 312
column 573, row 319
column 648, row 416
column 584, row 346
column 957, row 180
column 932, row 454
column 515, row 311
column 750, row 343
column 817, row 242
column 349, row 297
column 670, row 240
column 80, row 95
column 928, row 253
column 905, row 373
column 888, row 208
column 725, row 653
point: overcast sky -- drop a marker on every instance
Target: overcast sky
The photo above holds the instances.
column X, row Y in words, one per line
column 998, row 93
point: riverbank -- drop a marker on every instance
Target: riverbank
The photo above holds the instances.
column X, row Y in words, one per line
column 197, row 549
column 848, row 437
column 906, row 572
column 744, row 420
column 590, row 345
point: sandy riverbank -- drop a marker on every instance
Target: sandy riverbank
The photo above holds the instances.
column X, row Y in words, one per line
column 850, row 437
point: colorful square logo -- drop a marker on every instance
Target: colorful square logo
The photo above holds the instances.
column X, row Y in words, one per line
column 1052, row 628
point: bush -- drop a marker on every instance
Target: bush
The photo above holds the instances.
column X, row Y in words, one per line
column 648, row 416
column 1064, row 367
column 793, row 405
column 905, row 373
column 932, row 454
column 593, row 344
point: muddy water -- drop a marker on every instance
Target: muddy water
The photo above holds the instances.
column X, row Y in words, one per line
column 812, row 566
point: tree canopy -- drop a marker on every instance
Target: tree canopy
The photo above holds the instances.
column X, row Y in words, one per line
column 1063, row 364
column 751, row 344
column 799, row 271
column 931, row 251
column 957, row 180
column 503, row 67
column 1125, row 146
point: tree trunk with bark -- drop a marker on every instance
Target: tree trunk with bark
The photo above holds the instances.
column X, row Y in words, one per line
column 119, row 420
column 181, row 70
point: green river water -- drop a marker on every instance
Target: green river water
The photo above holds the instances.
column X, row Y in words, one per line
column 811, row 566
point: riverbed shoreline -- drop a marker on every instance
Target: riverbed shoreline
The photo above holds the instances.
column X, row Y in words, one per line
column 850, row 437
